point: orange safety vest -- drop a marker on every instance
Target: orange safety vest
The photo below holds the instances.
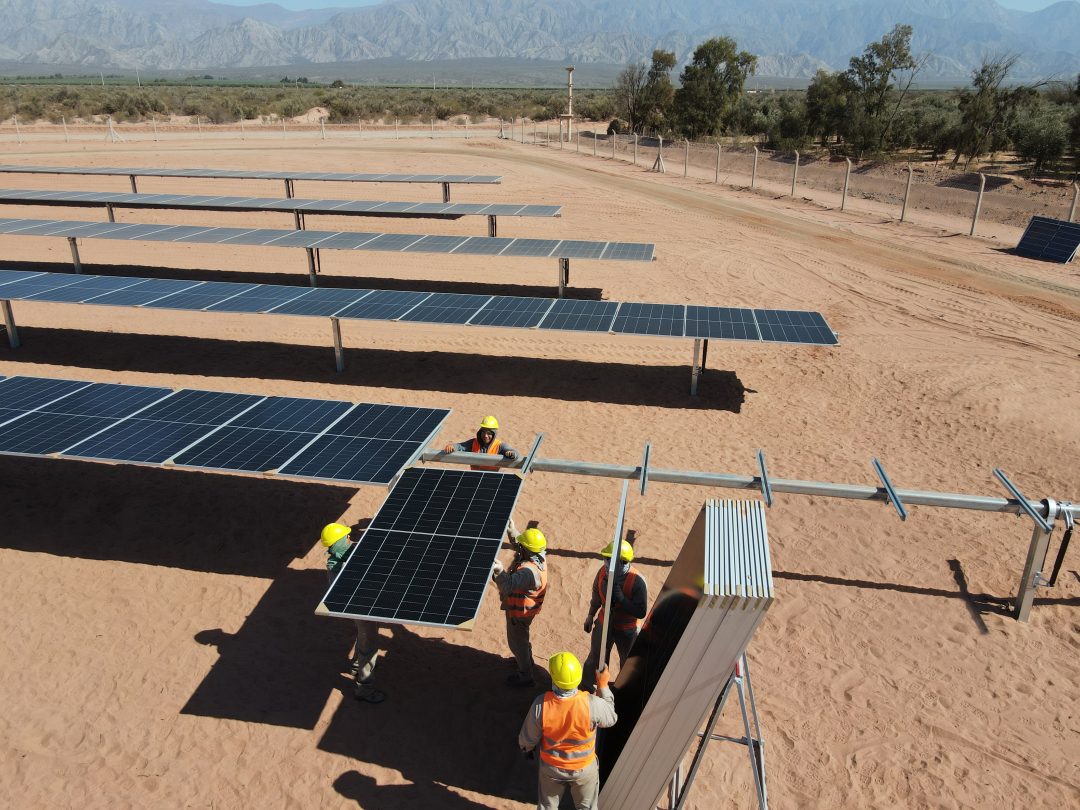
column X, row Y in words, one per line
column 526, row 605
column 493, row 450
column 622, row 620
column 567, row 739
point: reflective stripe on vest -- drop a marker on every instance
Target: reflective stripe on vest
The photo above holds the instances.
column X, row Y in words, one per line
column 568, row 739
column 622, row 620
column 493, row 450
column 527, row 604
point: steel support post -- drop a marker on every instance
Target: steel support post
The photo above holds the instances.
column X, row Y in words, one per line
column 564, row 275
column 288, row 189
column 339, row 352
column 978, row 204
column 907, row 194
column 75, row 254
column 716, row 174
column 311, row 265
column 134, row 187
column 109, row 212
column 795, row 173
column 753, row 172
column 1032, row 576
column 1076, row 198
column 9, row 324
column 695, row 369
column 492, row 227
column 847, row 179
column 297, row 220
column 446, row 192
column 577, row 141
column 704, row 353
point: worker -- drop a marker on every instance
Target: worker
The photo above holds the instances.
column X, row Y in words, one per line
column 522, row 587
column 336, row 539
column 630, row 599
column 563, row 723
column 486, row 441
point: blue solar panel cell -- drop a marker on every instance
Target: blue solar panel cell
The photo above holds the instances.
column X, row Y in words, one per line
column 389, row 422
column 348, row 458
column 140, row 441
column 108, row 400
column 8, row 276
column 244, row 449
column 721, row 323
column 650, row 319
column 509, row 311
column 580, row 316
column 141, row 294
column 40, row 433
column 200, row 297
column 446, row 308
column 792, row 326
column 383, row 305
column 28, row 393
column 323, row 301
column 289, row 414
column 81, row 290
column 262, row 299
column 37, row 283
column 1050, row 239
column 201, row 407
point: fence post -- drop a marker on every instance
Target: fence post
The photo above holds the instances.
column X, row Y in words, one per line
column 18, row 132
column 535, row 139
column 753, row 172
column 907, row 194
column 322, row 128
column 198, row 123
column 547, row 134
column 360, row 127
column 432, row 129
column 1076, row 196
column 716, row 174
column 847, row 179
column 466, row 127
column 64, row 121
column 282, row 126
column 242, row 135
column 978, row 204
column 795, row 173
column 686, row 158
column 635, row 149
column 614, row 137
column 397, row 122
column 594, row 144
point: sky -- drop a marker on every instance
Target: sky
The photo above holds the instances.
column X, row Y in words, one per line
column 298, row 5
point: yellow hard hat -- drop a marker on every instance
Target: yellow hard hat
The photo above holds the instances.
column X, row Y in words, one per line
column 565, row 670
column 626, row 551
column 489, row 423
column 332, row 532
column 532, row 540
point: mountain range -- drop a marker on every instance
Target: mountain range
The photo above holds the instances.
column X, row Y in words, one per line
column 791, row 39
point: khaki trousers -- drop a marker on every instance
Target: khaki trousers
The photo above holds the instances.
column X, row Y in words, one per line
column 584, row 786
column 517, row 637
column 622, row 640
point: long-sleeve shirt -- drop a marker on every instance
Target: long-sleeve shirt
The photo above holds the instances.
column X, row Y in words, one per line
column 466, row 447
column 521, row 579
column 638, row 603
column 601, row 714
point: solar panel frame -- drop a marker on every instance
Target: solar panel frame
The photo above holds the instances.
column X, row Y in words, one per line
column 237, row 174
column 1054, row 240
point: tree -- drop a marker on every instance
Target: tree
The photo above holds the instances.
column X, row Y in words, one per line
column 711, row 85
column 1040, row 134
column 874, row 99
column 643, row 92
column 1074, row 125
column 630, row 94
column 988, row 109
column 826, row 104
column 935, row 119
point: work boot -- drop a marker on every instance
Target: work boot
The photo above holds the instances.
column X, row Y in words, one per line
column 520, row 679
column 367, row 693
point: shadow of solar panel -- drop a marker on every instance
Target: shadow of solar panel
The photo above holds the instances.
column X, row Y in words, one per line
column 142, row 293
column 580, row 316
column 89, row 287
column 389, row 422
column 348, row 458
column 28, row 393
column 629, row 252
column 201, row 297
column 383, row 305
column 44, row 433
column 244, row 449
column 793, row 326
column 721, row 323
column 511, row 311
column 531, row 248
column 1050, row 239
column 483, row 246
column 650, row 319
column 460, row 503
column 263, row 298
column 446, row 308
column 323, row 301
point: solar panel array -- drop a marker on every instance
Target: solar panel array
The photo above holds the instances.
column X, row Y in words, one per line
column 358, row 443
column 240, row 174
column 426, row 557
column 334, row 240
column 286, row 204
column 666, row 320
column 1054, row 240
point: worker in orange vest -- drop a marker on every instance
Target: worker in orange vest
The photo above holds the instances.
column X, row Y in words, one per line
column 630, row 598
column 563, row 724
column 522, row 587
column 486, row 441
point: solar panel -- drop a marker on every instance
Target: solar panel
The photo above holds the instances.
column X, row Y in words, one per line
column 254, row 175
column 1054, row 240
column 8, row 276
column 322, row 301
column 531, row 248
column 427, row 555
column 383, row 305
column 139, row 294
column 264, row 297
column 628, row 252
column 792, row 326
column 446, row 308
column 505, row 310
column 722, row 323
column 348, row 458
column 650, row 319
column 81, row 290
column 28, row 393
column 39, row 282
column 201, row 297
column 580, row 316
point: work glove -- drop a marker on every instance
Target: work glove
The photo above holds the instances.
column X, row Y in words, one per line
column 588, row 624
column 497, row 569
column 510, row 454
column 448, row 449
column 602, row 677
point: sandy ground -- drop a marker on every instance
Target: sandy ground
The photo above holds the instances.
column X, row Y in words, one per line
column 158, row 643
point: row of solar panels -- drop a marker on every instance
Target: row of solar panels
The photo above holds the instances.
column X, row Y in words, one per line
column 668, row 320
column 1054, row 240
column 286, row 204
column 335, row 240
column 426, row 557
column 241, row 174
column 358, row 443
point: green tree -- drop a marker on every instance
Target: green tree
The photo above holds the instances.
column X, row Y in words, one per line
column 711, row 85
column 874, row 98
column 826, row 104
column 1040, row 133
column 935, row 119
column 659, row 92
column 988, row 109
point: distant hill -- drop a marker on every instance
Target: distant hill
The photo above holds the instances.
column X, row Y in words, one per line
column 792, row 39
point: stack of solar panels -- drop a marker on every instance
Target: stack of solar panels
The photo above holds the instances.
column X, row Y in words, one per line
column 1054, row 240
column 715, row 596
column 426, row 557
column 211, row 430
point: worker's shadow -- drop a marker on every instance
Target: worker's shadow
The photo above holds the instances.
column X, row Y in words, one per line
column 368, row 793
column 448, row 719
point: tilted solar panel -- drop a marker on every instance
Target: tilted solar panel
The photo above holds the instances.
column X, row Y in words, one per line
column 792, row 326
column 1053, row 240
column 510, row 311
column 650, row 319
column 580, row 316
column 237, row 174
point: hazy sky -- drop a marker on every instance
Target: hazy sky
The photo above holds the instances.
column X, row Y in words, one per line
column 1025, row 5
